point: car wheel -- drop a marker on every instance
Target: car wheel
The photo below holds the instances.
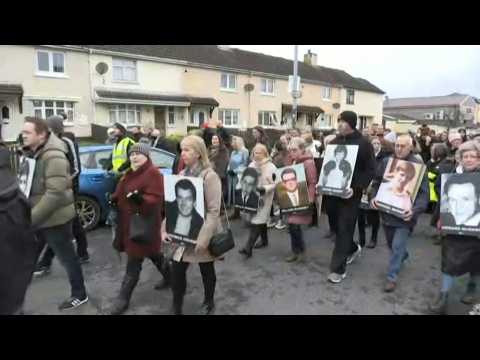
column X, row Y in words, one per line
column 88, row 211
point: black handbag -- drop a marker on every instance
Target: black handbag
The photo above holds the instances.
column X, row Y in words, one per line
column 142, row 228
column 223, row 242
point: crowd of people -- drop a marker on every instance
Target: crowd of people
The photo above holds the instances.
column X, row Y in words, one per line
column 46, row 220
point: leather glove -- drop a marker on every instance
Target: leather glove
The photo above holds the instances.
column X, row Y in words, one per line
column 135, row 197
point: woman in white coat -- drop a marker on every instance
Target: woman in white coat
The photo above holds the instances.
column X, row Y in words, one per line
column 266, row 187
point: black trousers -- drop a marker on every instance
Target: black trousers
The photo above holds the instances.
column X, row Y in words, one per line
column 257, row 230
column 347, row 212
column 373, row 218
column 179, row 280
column 296, row 238
column 331, row 210
column 134, row 265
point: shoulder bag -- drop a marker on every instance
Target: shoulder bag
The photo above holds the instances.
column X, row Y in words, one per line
column 142, row 228
column 222, row 242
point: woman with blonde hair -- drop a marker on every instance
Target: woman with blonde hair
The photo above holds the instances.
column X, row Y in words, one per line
column 195, row 156
column 266, row 186
column 238, row 162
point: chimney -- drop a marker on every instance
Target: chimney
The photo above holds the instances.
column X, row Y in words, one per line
column 310, row 58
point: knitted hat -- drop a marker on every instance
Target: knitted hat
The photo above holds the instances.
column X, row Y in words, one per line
column 120, row 127
column 349, row 117
column 55, row 124
column 140, row 148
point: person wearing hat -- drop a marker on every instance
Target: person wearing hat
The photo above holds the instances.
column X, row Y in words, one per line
column 18, row 248
column 346, row 208
column 55, row 124
column 139, row 191
column 119, row 161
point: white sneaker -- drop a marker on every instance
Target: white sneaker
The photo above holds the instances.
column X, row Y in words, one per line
column 336, row 278
column 271, row 224
column 280, row 226
column 356, row 254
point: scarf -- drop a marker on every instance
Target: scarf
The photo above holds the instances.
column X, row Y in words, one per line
column 193, row 171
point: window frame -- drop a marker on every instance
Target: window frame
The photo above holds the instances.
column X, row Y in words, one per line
column 115, row 108
column 65, row 109
column 324, row 90
column 352, row 96
column 232, row 111
column 50, row 72
column 229, row 89
column 171, row 110
column 266, row 81
column 123, row 66
column 270, row 112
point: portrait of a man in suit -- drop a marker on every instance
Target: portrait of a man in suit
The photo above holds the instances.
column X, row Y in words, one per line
column 182, row 217
column 246, row 197
column 462, row 193
column 291, row 193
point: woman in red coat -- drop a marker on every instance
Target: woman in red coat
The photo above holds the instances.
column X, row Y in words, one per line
column 140, row 190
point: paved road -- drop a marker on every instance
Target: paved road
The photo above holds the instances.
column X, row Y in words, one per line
column 264, row 284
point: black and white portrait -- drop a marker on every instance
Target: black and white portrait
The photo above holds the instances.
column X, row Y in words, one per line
column 26, row 170
column 246, row 196
column 184, row 208
column 337, row 170
column 460, row 204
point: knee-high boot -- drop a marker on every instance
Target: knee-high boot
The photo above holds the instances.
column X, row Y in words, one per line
column 122, row 301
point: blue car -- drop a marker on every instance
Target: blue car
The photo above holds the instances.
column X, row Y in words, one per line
column 95, row 183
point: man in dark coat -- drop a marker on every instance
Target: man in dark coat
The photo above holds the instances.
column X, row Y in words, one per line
column 182, row 217
column 346, row 208
column 18, row 248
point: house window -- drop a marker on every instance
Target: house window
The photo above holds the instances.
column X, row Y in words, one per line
column 125, row 114
column 267, row 118
column 50, row 63
column 171, row 116
column 310, row 119
column 229, row 117
column 468, row 110
column 325, row 120
column 46, row 108
column 124, row 70
column 439, row 115
column 326, row 92
column 267, row 86
column 229, row 81
column 350, row 96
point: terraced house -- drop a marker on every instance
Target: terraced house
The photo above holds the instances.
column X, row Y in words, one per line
column 177, row 87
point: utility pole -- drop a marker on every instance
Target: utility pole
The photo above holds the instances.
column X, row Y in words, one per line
column 295, row 94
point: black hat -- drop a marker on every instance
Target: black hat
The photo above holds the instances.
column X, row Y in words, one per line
column 120, row 127
column 349, row 117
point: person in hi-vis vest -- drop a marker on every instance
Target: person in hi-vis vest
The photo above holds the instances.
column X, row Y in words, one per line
column 119, row 161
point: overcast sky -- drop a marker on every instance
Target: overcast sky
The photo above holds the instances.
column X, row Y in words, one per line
column 399, row 70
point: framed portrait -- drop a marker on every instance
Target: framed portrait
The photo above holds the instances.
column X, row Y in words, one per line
column 246, row 196
column 26, row 170
column 184, row 208
column 399, row 186
column 291, row 189
column 459, row 204
column 337, row 169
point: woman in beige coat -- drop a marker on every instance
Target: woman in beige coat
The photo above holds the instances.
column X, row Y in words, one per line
column 266, row 186
column 195, row 157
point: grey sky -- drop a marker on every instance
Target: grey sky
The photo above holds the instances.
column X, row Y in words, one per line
column 399, row 70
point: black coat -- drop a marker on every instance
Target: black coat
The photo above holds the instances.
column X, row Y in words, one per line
column 364, row 170
column 252, row 201
column 18, row 248
column 172, row 215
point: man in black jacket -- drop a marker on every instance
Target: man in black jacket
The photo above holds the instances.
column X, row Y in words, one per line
column 55, row 123
column 346, row 250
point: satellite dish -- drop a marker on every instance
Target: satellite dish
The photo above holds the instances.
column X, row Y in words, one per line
column 336, row 106
column 249, row 87
column 101, row 68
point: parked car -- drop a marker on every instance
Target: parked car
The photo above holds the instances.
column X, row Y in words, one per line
column 95, row 184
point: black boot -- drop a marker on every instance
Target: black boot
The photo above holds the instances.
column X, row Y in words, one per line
column 163, row 267
column 121, row 303
column 177, row 308
column 439, row 306
column 264, row 236
column 373, row 242
column 207, row 308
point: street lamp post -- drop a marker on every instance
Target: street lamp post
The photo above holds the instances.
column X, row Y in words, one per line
column 295, row 87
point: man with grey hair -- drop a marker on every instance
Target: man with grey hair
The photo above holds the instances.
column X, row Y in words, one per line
column 398, row 230
column 55, row 124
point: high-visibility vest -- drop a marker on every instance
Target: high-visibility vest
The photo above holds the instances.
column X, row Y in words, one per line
column 119, row 153
column 431, row 183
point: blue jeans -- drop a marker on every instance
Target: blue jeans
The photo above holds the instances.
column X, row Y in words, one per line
column 59, row 239
column 397, row 238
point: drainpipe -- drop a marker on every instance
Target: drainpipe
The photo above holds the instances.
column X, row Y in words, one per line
column 92, row 91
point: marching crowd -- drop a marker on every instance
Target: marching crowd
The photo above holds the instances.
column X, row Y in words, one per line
column 45, row 220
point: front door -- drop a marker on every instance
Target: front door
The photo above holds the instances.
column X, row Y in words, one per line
column 160, row 119
column 6, row 120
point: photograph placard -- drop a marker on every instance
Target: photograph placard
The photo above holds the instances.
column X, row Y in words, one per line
column 26, row 170
column 337, row 170
column 399, row 186
column 247, row 197
column 184, row 208
column 291, row 189
column 459, row 204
